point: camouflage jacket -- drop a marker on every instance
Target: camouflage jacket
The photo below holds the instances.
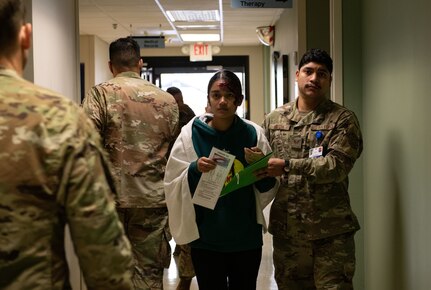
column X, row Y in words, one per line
column 53, row 173
column 137, row 121
column 186, row 114
column 313, row 201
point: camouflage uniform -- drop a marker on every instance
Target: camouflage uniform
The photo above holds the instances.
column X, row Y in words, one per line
column 312, row 206
column 54, row 172
column 185, row 264
column 137, row 121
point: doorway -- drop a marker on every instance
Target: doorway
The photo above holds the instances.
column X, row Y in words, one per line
column 192, row 77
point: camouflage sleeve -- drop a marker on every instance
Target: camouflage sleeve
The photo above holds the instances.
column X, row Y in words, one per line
column 95, row 107
column 344, row 148
column 173, row 115
column 264, row 126
column 103, row 251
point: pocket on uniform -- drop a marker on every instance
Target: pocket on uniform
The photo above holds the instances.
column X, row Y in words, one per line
column 319, row 136
column 279, row 134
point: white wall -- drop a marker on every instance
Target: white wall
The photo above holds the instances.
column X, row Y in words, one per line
column 53, row 63
column 397, row 156
column 101, row 59
column 55, row 46
column 86, row 56
column 287, row 42
column 94, row 53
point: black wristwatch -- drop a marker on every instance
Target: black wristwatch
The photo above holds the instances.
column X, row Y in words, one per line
column 286, row 166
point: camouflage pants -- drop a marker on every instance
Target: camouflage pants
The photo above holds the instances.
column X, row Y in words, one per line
column 325, row 264
column 185, row 265
column 147, row 230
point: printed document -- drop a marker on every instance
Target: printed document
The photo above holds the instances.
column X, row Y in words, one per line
column 212, row 182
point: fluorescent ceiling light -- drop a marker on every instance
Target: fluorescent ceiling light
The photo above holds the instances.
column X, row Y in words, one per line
column 193, row 26
column 200, row 37
column 193, row 15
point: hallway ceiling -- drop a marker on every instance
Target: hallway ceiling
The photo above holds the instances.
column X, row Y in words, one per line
column 111, row 19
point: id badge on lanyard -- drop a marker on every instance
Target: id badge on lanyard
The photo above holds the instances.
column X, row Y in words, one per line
column 318, row 150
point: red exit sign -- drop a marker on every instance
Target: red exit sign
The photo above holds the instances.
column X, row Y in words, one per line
column 200, row 52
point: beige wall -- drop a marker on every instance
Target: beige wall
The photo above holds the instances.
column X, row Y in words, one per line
column 53, row 63
column 287, row 42
column 55, row 46
column 396, row 111
column 101, row 59
column 94, row 53
column 86, row 56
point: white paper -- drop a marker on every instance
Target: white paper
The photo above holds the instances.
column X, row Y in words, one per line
column 211, row 183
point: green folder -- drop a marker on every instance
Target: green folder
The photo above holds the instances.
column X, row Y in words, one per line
column 245, row 177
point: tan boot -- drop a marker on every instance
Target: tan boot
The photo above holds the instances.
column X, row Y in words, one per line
column 184, row 284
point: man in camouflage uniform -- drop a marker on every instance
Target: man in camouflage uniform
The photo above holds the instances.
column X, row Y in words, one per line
column 316, row 143
column 53, row 173
column 137, row 121
column 185, row 265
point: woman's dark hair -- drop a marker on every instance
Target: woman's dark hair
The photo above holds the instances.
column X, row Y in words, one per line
column 173, row 90
column 316, row 55
column 232, row 82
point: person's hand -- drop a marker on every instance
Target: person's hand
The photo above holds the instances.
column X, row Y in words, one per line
column 252, row 154
column 275, row 167
column 261, row 173
column 206, row 164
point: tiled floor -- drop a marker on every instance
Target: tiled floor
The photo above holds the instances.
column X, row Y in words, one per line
column 265, row 280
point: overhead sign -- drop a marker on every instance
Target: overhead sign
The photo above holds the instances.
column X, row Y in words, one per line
column 150, row 41
column 200, row 52
column 261, row 3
